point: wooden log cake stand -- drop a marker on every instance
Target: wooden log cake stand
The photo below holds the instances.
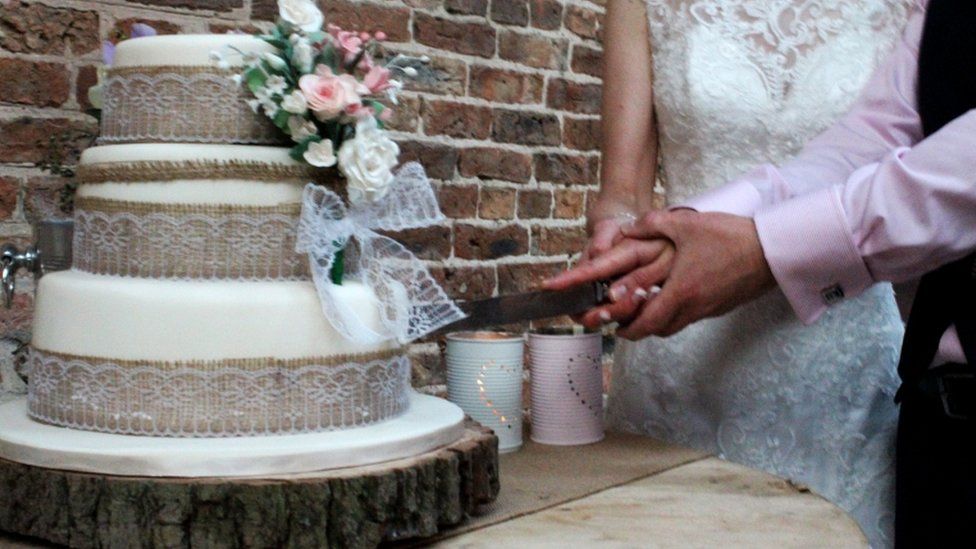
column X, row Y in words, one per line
column 352, row 507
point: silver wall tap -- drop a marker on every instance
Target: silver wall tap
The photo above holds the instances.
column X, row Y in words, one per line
column 51, row 252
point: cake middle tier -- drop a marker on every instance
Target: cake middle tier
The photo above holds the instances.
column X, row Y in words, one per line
column 182, row 211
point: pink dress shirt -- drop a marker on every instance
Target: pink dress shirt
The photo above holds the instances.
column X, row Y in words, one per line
column 868, row 200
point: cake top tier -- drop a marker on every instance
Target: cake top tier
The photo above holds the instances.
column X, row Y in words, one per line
column 189, row 50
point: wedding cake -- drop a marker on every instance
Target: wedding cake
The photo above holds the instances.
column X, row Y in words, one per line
column 197, row 309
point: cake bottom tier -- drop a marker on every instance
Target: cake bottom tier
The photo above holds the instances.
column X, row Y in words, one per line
column 204, row 359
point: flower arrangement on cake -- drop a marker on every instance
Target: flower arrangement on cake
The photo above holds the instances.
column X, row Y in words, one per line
column 325, row 89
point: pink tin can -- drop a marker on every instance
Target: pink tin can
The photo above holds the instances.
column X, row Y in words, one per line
column 567, row 386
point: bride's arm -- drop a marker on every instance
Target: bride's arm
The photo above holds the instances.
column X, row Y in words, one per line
column 629, row 143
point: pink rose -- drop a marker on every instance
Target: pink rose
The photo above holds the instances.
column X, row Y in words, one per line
column 349, row 43
column 329, row 95
column 377, row 79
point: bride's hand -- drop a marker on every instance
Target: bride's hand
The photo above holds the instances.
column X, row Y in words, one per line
column 603, row 223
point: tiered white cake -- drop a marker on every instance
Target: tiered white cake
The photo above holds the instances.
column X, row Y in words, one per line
column 187, row 312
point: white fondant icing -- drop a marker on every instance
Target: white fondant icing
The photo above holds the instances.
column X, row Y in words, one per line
column 242, row 193
column 186, row 49
column 430, row 423
column 131, row 318
column 249, row 193
column 175, row 152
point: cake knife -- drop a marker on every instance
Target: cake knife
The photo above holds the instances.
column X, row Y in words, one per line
column 508, row 309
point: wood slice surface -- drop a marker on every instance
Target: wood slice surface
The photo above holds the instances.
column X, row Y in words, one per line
column 354, row 507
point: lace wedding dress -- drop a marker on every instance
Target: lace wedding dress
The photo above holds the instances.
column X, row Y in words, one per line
column 738, row 83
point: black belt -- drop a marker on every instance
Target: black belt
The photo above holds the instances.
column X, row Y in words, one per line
column 953, row 385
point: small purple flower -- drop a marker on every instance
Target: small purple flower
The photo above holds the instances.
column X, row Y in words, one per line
column 139, row 30
column 108, row 53
column 142, row 30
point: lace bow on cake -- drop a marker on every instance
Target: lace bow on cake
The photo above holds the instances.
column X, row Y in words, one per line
column 411, row 303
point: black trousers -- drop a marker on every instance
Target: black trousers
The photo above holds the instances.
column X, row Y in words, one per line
column 936, row 476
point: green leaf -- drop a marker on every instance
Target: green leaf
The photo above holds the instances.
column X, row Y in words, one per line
column 281, row 119
column 276, row 42
column 328, row 57
column 255, row 78
column 316, row 37
column 338, row 267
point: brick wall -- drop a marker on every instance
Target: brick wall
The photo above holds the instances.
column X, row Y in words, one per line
column 505, row 120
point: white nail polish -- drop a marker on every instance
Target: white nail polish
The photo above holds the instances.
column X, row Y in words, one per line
column 655, row 289
column 605, row 316
column 616, row 293
column 640, row 294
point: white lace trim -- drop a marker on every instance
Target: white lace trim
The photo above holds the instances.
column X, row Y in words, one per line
column 181, row 104
column 246, row 245
column 220, row 399
column 412, row 304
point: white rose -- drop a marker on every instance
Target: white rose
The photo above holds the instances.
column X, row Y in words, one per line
column 302, row 56
column 300, row 128
column 367, row 162
column 295, row 103
column 320, row 154
column 301, row 13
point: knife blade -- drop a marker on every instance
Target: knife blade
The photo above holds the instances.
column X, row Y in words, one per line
column 513, row 308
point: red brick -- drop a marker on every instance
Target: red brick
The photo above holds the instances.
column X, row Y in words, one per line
column 546, row 14
column 524, row 277
column 496, row 203
column 123, row 28
column 466, row 282
column 527, row 128
column 16, row 322
column 8, row 196
column 505, row 86
column 33, row 83
column 224, row 28
column 567, row 169
column 566, row 95
column 466, row 7
column 87, row 77
column 490, row 163
column 29, row 139
column 558, row 240
column 394, row 21
column 587, row 60
column 582, row 22
column 45, row 198
column 582, row 134
column 426, row 243
column 460, row 37
column 442, row 75
column 534, row 204
column 456, row 119
column 214, row 5
column 36, row 28
column 569, row 204
column 406, row 115
column 540, row 52
column 510, row 12
column 439, row 160
column 475, row 242
column 264, row 10
column 458, row 201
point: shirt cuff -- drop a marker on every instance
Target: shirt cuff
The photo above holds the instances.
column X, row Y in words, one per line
column 737, row 198
column 811, row 253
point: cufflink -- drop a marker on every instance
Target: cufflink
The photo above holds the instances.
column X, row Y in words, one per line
column 832, row 294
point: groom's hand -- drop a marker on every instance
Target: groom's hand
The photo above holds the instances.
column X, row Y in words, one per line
column 719, row 265
column 643, row 264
